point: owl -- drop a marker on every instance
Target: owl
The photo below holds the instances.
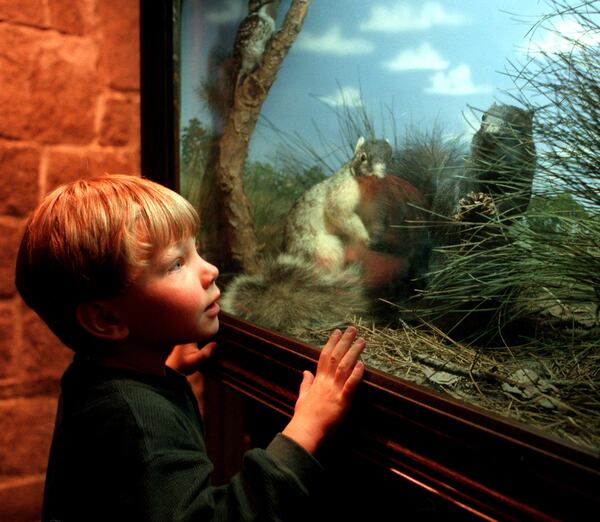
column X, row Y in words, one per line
column 251, row 39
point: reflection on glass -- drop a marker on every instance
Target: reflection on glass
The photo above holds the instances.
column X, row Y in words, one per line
column 427, row 171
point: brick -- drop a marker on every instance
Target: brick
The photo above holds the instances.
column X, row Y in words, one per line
column 17, row 387
column 8, row 338
column 11, row 237
column 19, row 166
column 21, row 499
column 66, row 165
column 42, row 355
column 30, row 12
column 136, row 159
column 17, row 62
column 71, row 17
column 65, row 89
column 120, row 121
column 120, row 50
column 115, row 161
column 27, row 426
column 49, row 86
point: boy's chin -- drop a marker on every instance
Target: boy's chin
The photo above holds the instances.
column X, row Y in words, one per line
column 212, row 328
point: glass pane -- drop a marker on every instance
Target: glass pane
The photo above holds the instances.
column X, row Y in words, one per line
column 426, row 171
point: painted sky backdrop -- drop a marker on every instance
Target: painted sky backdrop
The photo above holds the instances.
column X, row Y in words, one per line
column 427, row 62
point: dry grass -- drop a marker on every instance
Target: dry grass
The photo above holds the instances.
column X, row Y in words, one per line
column 556, row 391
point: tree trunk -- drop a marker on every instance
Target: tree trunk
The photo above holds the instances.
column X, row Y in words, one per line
column 238, row 238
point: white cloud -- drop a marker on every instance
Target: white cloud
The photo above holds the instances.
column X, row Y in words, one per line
column 566, row 36
column 422, row 58
column 406, row 17
column 332, row 42
column 346, row 96
column 232, row 11
column 456, row 82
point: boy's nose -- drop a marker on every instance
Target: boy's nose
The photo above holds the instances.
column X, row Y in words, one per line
column 209, row 274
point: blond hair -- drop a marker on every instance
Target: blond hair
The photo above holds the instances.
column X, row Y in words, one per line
column 88, row 239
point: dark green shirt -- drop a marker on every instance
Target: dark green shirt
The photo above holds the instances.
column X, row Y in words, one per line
column 129, row 446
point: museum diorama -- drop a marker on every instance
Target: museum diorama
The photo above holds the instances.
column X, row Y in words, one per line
column 429, row 173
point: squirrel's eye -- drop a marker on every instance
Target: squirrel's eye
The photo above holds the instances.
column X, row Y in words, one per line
column 363, row 157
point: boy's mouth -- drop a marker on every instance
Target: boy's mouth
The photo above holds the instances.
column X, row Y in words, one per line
column 213, row 309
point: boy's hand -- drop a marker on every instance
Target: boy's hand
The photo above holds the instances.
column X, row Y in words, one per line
column 187, row 358
column 324, row 397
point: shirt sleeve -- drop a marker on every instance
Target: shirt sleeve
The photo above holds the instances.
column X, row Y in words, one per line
column 276, row 483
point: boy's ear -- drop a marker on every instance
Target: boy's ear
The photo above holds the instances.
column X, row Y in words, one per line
column 101, row 320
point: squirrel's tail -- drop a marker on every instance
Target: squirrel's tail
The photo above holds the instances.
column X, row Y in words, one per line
column 295, row 297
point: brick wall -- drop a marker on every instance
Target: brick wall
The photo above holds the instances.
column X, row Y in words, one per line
column 69, row 108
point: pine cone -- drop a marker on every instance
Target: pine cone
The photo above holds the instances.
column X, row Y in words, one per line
column 475, row 206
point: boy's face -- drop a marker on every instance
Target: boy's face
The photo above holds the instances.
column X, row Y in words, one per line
column 174, row 300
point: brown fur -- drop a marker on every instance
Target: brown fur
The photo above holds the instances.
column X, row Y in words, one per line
column 393, row 211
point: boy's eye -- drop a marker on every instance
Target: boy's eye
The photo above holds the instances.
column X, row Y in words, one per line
column 176, row 265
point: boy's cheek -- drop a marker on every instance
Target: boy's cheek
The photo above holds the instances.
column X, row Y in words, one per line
column 174, row 301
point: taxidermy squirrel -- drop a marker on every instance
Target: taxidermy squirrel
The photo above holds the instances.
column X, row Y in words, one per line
column 296, row 296
column 324, row 221
column 350, row 240
column 367, row 232
column 494, row 188
column 435, row 167
column 503, row 157
column 494, row 178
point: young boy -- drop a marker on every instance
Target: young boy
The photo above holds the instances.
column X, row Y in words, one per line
column 110, row 264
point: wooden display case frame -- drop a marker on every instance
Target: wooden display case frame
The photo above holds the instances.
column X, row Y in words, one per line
column 490, row 466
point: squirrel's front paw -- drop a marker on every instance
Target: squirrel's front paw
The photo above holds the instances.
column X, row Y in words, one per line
column 355, row 252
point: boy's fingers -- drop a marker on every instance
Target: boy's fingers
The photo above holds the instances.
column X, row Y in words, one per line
column 198, row 355
column 327, row 349
column 353, row 380
column 342, row 346
column 307, row 380
column 208, row 349
column 349, row 361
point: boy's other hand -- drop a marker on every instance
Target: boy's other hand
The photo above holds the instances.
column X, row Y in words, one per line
column 324, row 398
column 188, row 358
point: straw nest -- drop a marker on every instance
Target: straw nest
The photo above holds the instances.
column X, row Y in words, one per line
column 556, row 391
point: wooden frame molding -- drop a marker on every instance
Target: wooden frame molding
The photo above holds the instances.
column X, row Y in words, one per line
column 491, row 466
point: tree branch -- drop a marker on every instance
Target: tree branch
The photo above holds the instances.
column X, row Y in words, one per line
column 238, row 238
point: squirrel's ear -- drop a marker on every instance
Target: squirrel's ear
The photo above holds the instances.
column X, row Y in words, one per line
column 101, row 320
column 359, row 144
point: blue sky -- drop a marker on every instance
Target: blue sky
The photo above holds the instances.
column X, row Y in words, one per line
column 426, row 61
